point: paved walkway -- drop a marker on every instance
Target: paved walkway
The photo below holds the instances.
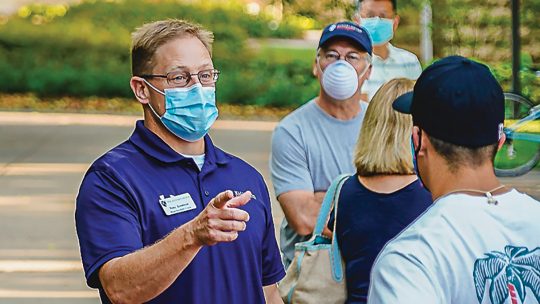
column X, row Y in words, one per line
column 43, row 158
column 63, row 119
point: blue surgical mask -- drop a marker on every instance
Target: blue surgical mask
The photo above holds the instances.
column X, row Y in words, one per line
column 189, row 112
column 413, row 153
column 415, row 163
column 381, row 30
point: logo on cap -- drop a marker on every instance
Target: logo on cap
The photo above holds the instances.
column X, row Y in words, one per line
column 332, row 28
column 346, row 27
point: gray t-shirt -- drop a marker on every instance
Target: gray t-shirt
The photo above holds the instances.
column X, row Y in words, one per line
column 309, row 149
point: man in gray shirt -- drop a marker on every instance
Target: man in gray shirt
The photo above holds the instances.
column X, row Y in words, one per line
column 315, row 143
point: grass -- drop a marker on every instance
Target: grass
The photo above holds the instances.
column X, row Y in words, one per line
column 124, row 106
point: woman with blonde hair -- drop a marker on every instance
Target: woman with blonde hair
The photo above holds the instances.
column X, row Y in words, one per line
column 385, row 195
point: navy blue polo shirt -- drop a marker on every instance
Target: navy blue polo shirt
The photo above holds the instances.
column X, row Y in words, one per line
column 118, row 212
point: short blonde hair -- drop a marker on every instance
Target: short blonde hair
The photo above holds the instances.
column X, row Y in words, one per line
column 383, row 146
column 149, row 37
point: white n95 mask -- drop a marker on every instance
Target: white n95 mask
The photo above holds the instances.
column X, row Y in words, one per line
column 339, row 80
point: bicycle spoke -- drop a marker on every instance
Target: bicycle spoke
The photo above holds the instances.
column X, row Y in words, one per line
column 521, row 151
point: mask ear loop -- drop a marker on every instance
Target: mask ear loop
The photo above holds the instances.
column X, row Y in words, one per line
column 153, row 87
column 416, row 151
column 413, row 153
column 149, row 104
column 367, row 66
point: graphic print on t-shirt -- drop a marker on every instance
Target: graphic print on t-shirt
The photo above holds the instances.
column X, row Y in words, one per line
column 510, row 274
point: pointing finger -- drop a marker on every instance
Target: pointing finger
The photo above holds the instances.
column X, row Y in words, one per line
column 221, row 199
column 239, row 200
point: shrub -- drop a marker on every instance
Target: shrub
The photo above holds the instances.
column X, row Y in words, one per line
column 84, row 51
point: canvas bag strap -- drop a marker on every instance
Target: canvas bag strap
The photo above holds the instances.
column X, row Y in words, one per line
column 328, row 201
column 337, row 269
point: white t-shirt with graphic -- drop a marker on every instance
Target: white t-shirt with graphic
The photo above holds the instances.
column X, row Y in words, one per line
column 464, row 250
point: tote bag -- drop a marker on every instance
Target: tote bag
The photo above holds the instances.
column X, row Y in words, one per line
column 316, row 274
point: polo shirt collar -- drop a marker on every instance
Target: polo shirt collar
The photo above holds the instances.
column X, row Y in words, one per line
column 213, row 153
column 155, row 147
column 390, row 57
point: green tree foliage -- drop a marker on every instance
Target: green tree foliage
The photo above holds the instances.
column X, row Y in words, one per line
column 53, row 50
column 84, row 51
column 323, row 11
column 482, row 30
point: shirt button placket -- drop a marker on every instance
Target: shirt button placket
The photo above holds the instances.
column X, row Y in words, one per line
column 203, row 193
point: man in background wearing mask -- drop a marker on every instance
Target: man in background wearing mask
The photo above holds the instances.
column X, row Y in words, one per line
column 380, row 18
column 156, row 218
column 315, row 143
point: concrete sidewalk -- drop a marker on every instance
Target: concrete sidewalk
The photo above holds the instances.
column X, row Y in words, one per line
column 62, row 119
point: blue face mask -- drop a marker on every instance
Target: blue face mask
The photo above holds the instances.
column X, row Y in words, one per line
column 413, row 153
column 381, row 30
column 415, row 164
column 189, row 112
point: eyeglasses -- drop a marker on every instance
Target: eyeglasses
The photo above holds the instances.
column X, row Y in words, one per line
column 183, row 78
column 358, row 61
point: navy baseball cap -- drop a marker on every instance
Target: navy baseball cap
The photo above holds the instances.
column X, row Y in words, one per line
column 348, row 30
column 456, row 100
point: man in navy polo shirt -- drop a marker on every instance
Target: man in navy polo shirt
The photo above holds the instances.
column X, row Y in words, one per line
column 167, row 217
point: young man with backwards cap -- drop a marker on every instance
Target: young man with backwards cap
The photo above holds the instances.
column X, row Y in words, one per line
column 314, row 144
column 480, row 241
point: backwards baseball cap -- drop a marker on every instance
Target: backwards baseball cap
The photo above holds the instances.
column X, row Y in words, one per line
column 456, row 100
column 348, row 30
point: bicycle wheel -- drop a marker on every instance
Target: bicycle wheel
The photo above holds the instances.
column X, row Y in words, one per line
column 518, row 155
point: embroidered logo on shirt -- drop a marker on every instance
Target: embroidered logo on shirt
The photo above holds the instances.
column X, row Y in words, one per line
column 510, row 273
column 238, row 193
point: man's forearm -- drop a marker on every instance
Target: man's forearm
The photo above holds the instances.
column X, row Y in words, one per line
column 271, row 294
column 142, row 275
column 301, row 209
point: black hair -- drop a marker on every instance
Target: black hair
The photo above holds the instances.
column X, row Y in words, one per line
column 394, row 4
column 457, row 156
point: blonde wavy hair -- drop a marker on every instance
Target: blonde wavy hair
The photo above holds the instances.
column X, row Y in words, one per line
column 383, row 147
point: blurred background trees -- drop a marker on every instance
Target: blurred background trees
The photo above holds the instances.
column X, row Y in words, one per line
column 83, row 49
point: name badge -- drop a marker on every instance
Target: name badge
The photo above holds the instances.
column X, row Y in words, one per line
column 176, row 203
